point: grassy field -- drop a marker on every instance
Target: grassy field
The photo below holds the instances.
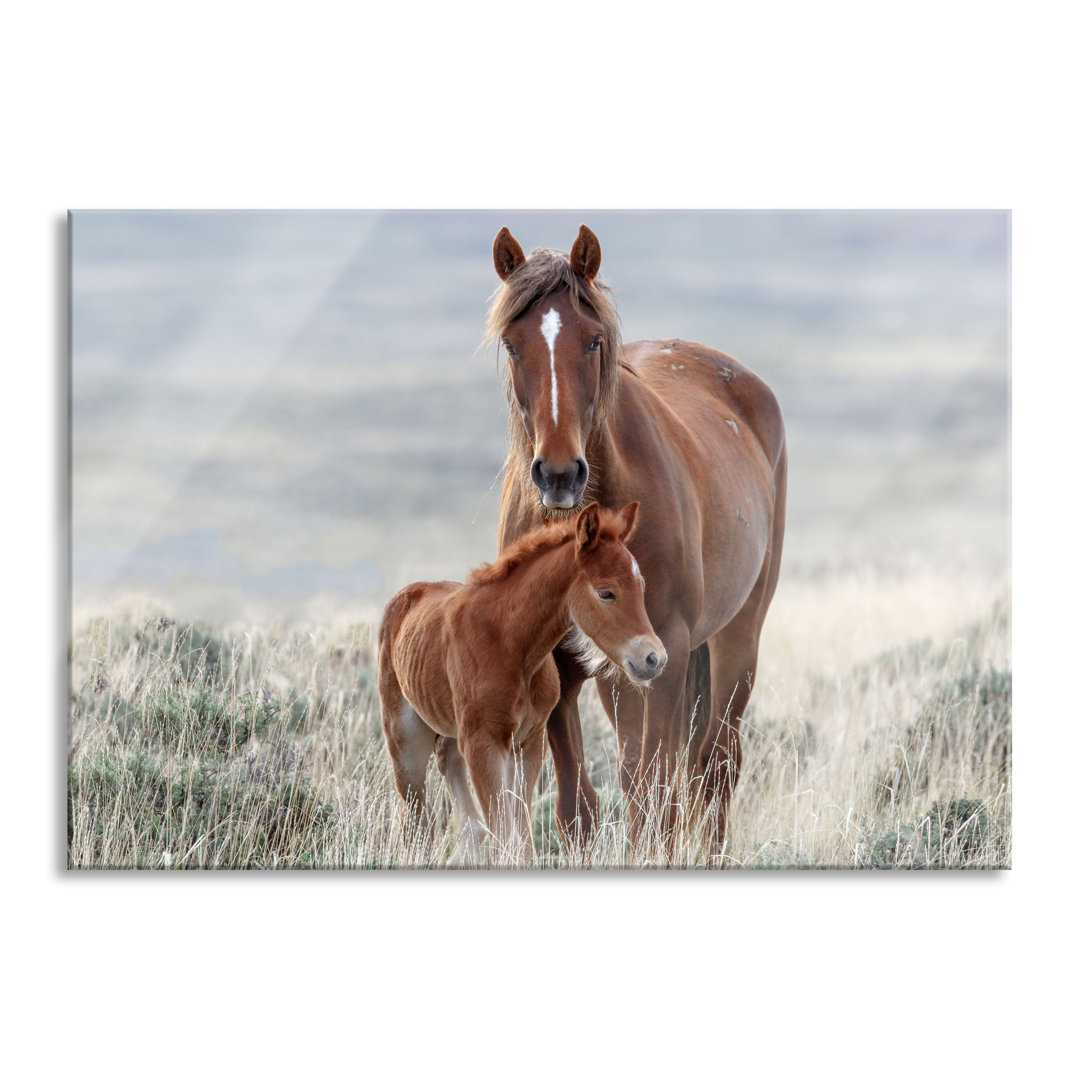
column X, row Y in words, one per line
column 879, row 736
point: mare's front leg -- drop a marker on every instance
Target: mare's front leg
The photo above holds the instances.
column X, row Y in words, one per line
column 576, row 802
column 471, row 826
column 649, row 727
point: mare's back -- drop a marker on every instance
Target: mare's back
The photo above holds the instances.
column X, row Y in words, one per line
column 698, row 381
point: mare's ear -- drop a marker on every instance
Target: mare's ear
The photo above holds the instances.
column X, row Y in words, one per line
column 628, row 521
column 588, row 527
column 585, row 254
column 507, row 253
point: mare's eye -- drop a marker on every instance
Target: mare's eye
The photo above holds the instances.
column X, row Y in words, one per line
column 510, row 350
column 605, row 594
column 596, row 341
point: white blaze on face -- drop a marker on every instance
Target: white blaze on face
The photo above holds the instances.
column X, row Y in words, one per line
column 550, row 325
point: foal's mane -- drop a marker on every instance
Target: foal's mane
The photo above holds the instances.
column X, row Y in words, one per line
column 526, row 548
column 543, row 273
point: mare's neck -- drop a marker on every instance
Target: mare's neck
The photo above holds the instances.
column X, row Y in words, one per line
column 629, row 417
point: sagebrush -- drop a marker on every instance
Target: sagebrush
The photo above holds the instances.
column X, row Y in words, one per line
column 872, row 741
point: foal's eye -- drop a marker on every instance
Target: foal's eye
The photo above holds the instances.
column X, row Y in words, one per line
column 605, row 594
column 596, row 342
column 510, row 350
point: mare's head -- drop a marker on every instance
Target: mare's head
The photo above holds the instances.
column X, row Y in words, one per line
column 561, row 333
column 607, row 599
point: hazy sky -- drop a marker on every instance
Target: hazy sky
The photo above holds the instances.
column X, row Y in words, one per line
column 274, row 407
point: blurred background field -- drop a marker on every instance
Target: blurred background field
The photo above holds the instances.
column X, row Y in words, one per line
column 280, row 418
column 289, row 414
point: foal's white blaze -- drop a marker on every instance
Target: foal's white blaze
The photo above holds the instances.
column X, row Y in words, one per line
column 636, row 569
column 550, row 325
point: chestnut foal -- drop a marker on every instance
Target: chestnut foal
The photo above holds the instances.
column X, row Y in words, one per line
column 467, row 671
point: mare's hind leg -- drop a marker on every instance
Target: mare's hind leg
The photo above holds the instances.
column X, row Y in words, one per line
column 733, row 663
column 576, row 802
column 698, row 704
column 733, row 653
column 455, row 773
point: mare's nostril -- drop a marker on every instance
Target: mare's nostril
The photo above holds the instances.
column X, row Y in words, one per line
column 538, row 474
column 581, row 474
column 651, row 661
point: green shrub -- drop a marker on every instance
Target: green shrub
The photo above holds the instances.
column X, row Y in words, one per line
column 964, row 823
column 966, row 720
column 204, row 720
column 198, row 654
column 546, row 836
column 954, row 835
column 131, row 810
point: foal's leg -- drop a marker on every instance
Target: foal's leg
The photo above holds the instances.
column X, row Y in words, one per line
column 530, row 760
column 455, row 773
column 498, row 777
column 410, row 743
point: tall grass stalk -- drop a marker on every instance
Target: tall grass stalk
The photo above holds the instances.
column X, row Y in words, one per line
column 879, row 736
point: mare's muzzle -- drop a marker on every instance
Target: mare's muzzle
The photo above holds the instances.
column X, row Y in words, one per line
column 560, row 488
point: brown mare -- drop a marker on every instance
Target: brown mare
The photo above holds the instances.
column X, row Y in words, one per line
column 698, row 439
column 466, row 670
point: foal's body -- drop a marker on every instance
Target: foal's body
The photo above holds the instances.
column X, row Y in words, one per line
column 466, row 670
column 449, row 675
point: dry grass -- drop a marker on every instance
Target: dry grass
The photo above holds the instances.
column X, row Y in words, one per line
column 879, row 736
column 883, row 711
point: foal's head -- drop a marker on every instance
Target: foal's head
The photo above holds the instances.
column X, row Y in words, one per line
column 607, row 599
column 561, row 333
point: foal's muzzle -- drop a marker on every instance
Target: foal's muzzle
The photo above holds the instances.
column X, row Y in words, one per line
column 646, row 663
column 560, row 488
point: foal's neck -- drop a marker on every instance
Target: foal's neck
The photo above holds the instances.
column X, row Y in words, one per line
column 533, row 603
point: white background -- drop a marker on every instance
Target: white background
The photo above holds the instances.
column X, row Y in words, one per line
column 484, row 105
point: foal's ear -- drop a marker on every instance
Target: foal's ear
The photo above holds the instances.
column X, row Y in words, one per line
column 508, row 254
column 588, row 527
column 628, row 521
column 585, row 254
